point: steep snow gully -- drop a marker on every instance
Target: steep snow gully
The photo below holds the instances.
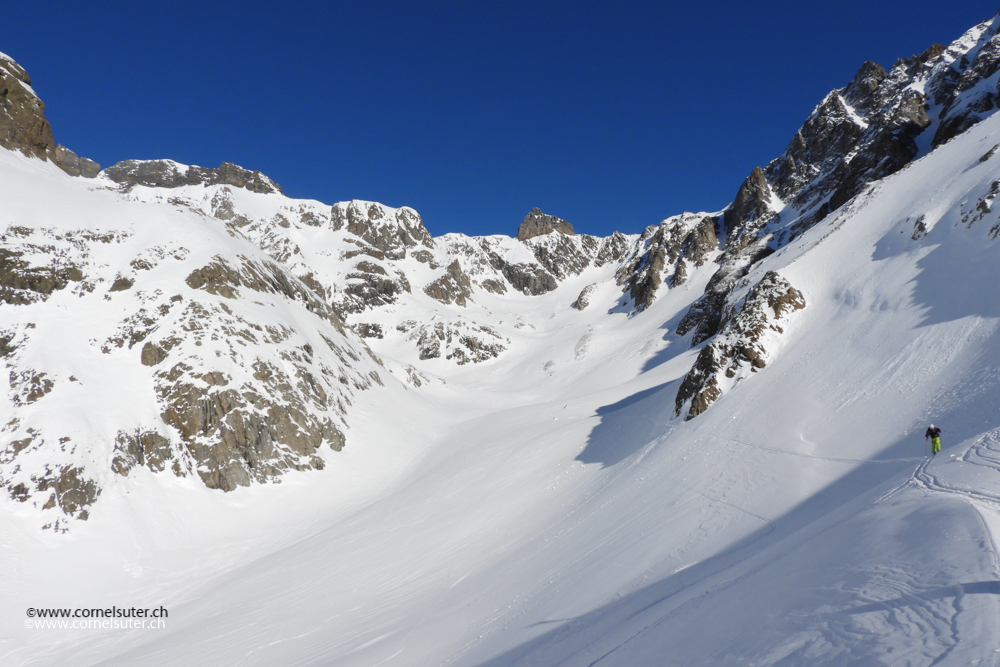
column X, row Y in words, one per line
column 319, row 436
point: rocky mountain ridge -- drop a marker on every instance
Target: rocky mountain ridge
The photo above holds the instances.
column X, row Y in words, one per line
column 246, row 346
column 170, row 174
column 24, row 128
column 876, row 125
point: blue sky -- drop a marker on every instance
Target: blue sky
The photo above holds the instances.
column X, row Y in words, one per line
column 610, row 115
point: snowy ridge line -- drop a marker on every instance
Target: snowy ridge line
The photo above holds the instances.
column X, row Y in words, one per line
column 811, row 456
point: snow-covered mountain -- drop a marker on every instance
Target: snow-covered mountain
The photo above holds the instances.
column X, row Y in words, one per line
column 699, row 444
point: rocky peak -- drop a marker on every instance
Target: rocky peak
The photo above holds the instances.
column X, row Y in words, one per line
column 537, row 223
column 864, row 83
column 857, row 134
column 751, row 202
column 932, row 51
column 170, row 174
column 24, row 128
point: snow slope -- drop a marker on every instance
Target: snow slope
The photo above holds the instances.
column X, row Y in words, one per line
column 547, row 507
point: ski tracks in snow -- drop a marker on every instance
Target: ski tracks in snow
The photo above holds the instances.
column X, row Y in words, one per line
column 983, row 452
column 833, row 459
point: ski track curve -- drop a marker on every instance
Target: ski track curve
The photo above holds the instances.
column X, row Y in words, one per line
column 980, row 453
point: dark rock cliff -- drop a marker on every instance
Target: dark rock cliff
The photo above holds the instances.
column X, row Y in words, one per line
column 24, row 128
column 537, row 223
column 169, row 174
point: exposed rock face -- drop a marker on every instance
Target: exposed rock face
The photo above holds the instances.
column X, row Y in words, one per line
column 563, row 256
column 370, row 285
column 705, row 314
column 860, row 133
column 391, row 232
column 24, row 128
column 537, row 223
column 242, row 396
column 532, row 267
column 583, row 300
column 527, row 278
column 276, row 419
column 236, row 435
column 453, row 286
column 612, row 249
column 21, row 283
column 369, row 330
column 148, row 449
column 170, row 174
column 743, row 346
column 666, row 251
column 74, row 165
column 458, row 341
column 752, row 204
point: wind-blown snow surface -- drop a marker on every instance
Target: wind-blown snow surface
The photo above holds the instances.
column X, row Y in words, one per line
column 546, row 508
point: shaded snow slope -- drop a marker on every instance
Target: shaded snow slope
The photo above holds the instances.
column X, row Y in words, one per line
column 547, row 507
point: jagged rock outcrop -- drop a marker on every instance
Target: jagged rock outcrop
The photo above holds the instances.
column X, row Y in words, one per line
column 21, row 282
column 391, row 231
column 583, row 300
column 170, row 174
column 704, row 316
column 237, row 431
column 370, row 285
column 236, row 435
column 537, row 223
column 453, row 286
column 74, row 165
column 239, row 390
column 751, row 209
column 666, row 250
column 369, row 330
column 612, row 249
column 24, row 128
column 458, row 341
column 744, row 344
column 860, row 133
column 527, row 278
column 563, row 256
